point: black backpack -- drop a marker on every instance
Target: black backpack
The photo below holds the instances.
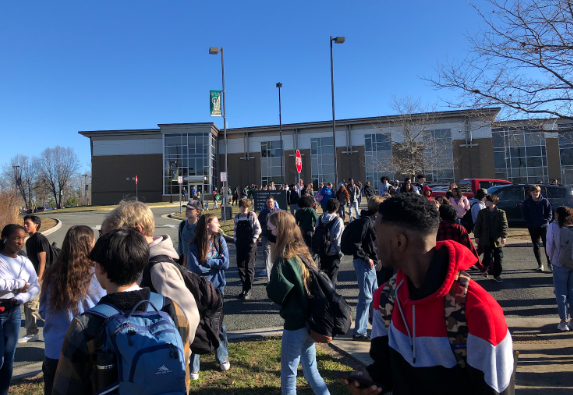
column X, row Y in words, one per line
column 53, row 253
column 321, row 238
column 328, row 313
column 209, row 303
column 346, row 244
column 467, row 220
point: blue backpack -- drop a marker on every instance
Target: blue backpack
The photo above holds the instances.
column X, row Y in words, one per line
column 148, row 348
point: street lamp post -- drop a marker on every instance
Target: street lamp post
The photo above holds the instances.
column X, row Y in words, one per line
column 280, row 85
column 337, row 40
column 215, row 51
column 170, row 184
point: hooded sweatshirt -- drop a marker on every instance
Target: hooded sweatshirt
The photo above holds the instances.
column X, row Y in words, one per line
column 427, row 188
column 335, row 231
column 168, row 281
column 363, row 237
column 414, row 355
column 538, row 213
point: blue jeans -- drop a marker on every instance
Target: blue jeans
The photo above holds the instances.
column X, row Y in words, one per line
column 366, row 286
column 221, row 354
column 353, row 205
column 563, row 283
column 10, row 320
column 297, row 346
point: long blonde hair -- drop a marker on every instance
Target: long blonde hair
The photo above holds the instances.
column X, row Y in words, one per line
column 290, row 244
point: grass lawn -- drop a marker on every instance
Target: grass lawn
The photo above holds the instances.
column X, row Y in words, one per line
column 255, row 370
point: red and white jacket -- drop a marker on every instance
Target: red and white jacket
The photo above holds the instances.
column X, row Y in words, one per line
column 415, row 357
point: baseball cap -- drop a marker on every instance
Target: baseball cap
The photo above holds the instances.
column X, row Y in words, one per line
column 194, row 204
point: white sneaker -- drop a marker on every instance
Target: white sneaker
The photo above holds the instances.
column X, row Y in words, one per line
column 570, row 325
column 563, row 326
column 29, row 338
column 194, row 376
column 225, row 366
column 540, row 268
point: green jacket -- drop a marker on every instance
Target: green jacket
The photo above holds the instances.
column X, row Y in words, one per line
column 500, row 226
column 286, row 289
column 306, row 218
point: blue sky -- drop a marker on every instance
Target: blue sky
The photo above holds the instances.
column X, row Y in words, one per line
column 77, row 65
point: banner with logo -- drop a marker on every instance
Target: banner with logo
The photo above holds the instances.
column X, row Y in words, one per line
column 216, row 104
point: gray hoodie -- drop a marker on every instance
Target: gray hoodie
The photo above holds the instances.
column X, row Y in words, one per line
column 335, row 231
column 168, row 281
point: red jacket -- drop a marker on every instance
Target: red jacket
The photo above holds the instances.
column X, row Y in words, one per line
column 415, row 357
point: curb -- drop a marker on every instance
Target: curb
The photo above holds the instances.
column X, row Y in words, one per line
column 53, row 229
column 25, row 371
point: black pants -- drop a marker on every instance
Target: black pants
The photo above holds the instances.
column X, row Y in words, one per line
column 246, row 258
column 307, row 236
column 492, row 256
column 341, row 211
column 49, row 368
column 330, row 264
column 536, row 234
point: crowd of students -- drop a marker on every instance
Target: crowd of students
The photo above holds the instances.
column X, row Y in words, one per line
column 408, row 250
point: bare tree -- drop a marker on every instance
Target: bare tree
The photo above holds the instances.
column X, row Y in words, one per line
column 57, row 167
column 414, row 143
column 22, row 172
column 522, row 59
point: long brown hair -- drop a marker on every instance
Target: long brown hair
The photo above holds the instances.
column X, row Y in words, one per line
column 202, row 238
column 290, row 244
column 70, row 275
column 343, row 191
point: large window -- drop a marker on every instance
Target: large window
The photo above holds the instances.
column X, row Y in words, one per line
column 322, row 161
column 438, row 155
column 566, row 153
column 188, row 155
column 520, row 155
column 271, row 162
column 378, row 157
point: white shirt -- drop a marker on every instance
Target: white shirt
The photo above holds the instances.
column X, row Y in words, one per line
column 14, row 273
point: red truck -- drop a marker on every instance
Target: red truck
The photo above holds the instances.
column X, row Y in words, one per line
column 469, row 186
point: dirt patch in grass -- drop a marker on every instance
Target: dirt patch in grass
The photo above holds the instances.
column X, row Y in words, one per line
column 255, row 369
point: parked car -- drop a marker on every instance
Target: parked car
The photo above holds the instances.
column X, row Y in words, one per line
column 40, row 209
column 469, row 186
column 511, row 198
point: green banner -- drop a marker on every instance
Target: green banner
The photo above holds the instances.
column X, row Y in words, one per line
column 216, row 104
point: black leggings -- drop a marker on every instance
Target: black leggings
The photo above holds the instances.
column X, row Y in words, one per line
column 493, row 257
column 536, row 234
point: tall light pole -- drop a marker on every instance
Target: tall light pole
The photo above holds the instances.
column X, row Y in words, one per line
column 280, row 85
column 215, row 51
column 337, row 40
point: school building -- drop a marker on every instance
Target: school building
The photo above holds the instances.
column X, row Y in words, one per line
column 456, row 144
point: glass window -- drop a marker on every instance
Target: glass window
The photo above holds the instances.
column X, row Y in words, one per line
column 187, row 155
column 465, row 186
column 438, row 155
column 510, row 193
column 520, row 155
column 270, row 162
column 556, row 192
column 378, row 157
column 322, row 161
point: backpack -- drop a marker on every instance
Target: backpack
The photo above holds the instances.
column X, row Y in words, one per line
column 565, row 248
column 209, row 303
column 244, row 232
column 454, row 310
column 147, row 346
column 53, row 253
column 346, row 244
column 467, row 220
column 328, row 313
column 321, row 238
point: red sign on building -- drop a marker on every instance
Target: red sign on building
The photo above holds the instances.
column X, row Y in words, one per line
column 298, row 160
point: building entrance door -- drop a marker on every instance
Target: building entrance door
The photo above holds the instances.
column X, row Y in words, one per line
column 194, row 188
column 566, row 175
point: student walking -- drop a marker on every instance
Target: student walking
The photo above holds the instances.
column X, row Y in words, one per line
column 368, row 190
column 293, row 194
column 449, row 229
column 69, row 288
column 537, row 214
column 209, row 257
column 306, row 218
column 186, row 230
column 120, row 257
column 343, row 198
column 330, row 262
column 289, row 288
column 562, row 275
column 354, row 201
column 491, row 233
column 247, row 232
column 38, row 250
column 18, row 285
column 384, row 186
column 235, row 196
column 267, row 210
